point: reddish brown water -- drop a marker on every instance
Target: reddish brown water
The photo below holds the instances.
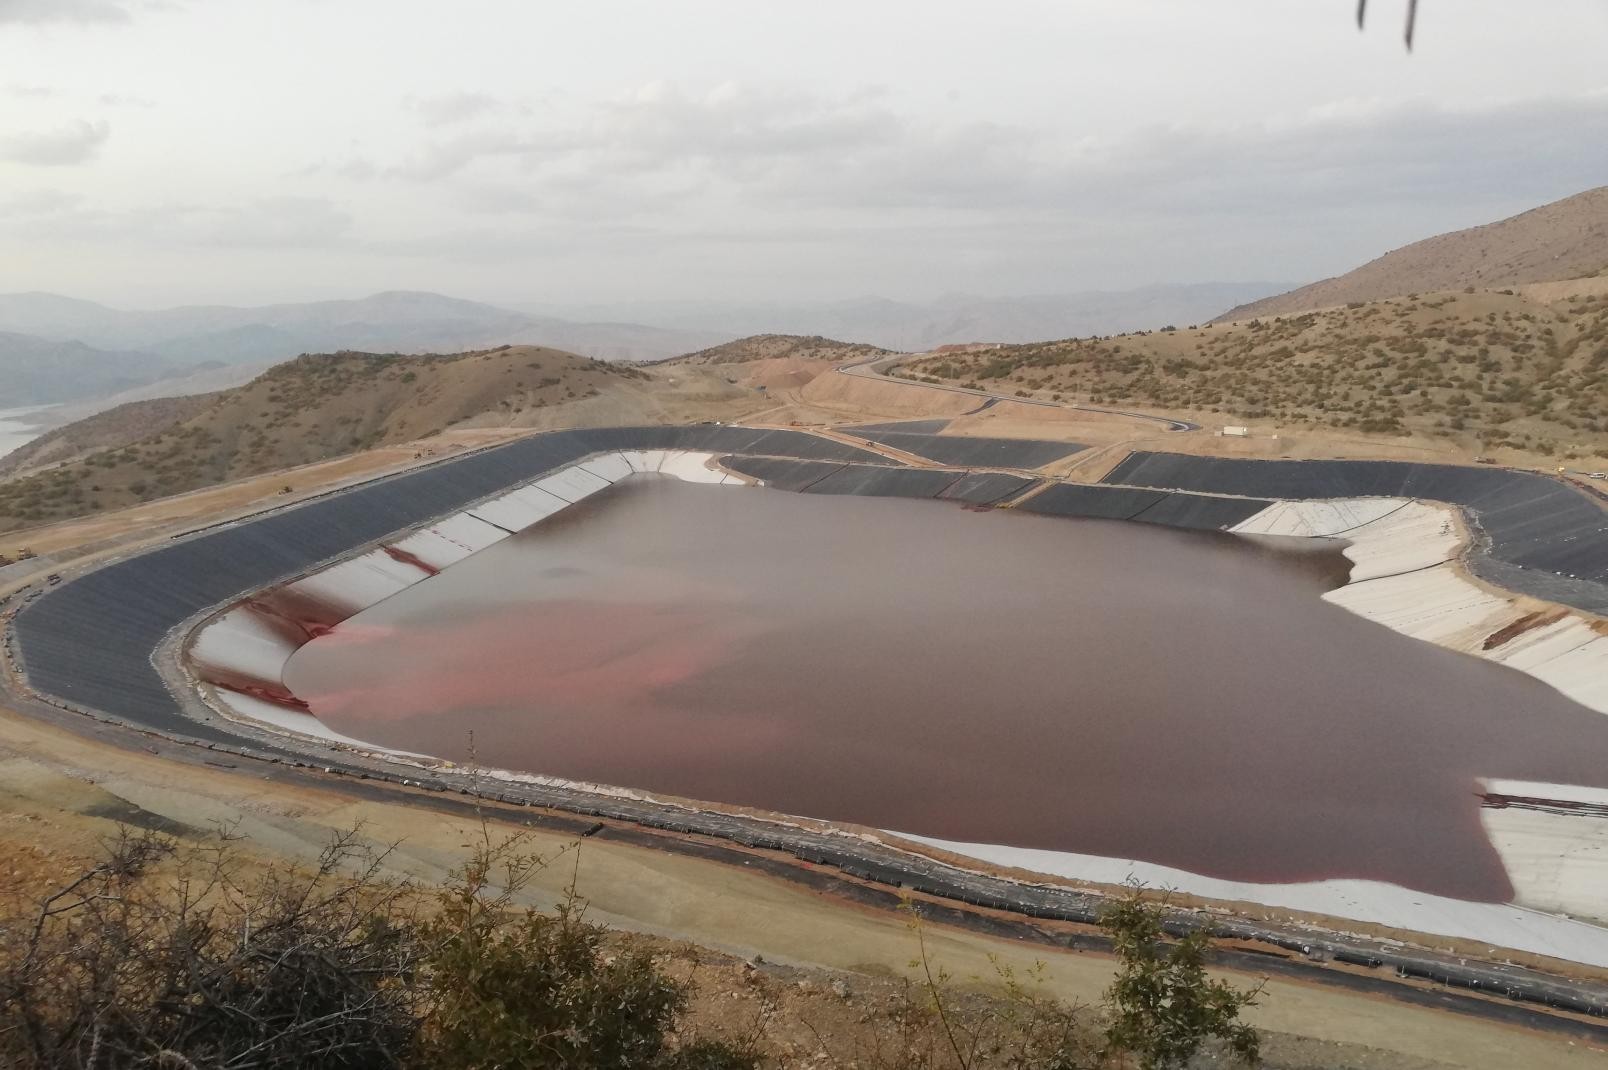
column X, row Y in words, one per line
column 990, row 677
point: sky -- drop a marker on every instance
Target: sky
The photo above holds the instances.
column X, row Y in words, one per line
column 159, row 152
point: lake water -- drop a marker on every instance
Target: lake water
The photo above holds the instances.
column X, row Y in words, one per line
column 21, row 426
column 980, row 676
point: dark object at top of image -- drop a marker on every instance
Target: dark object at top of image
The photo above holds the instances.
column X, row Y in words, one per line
column 1412, row 19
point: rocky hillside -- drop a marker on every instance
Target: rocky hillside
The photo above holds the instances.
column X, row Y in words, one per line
column 1489, row 370
column 311, row 409
column 779, row 347
column 1566, row 239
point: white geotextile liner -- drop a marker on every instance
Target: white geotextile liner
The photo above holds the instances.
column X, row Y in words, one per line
column 1317, row 518
column 291, row 719
column 691, row 467
column 434, row 550
column 359, row 583
column 1415, row 536
column 546, row 502
column 643, row 460
column 610, row 466
column 1435, row 604
column 1537, row 789
column 519, row 509
column 1581, row 673
column 241, row 642
column 572, row 484
column 1557, row 862
column 470, row 532
column 1502, row 924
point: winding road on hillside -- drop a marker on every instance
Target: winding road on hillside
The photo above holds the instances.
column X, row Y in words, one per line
column 876, row 368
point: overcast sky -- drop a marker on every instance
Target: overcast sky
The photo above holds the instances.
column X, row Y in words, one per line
column 526, row 151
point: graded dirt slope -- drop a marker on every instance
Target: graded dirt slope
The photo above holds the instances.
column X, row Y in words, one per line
column 778, row 347
column 1487, row 372
column 306, row 410
column 1566, row 239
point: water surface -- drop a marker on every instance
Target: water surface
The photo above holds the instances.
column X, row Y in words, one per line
column 996, row 677
column 18, row 427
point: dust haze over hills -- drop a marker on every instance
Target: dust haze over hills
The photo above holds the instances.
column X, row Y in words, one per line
column 150, row 345
column 1567, row 239
column 63, row 349
column 917, row 326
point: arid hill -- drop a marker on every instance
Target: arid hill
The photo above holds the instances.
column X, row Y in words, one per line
column 311, row 409
column 777, row 347
column 1566, row 239
column 1485, row 370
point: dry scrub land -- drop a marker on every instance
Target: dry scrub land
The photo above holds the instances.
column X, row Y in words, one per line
column 1489, row 371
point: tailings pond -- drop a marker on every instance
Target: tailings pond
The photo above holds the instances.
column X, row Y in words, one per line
column 981, row 676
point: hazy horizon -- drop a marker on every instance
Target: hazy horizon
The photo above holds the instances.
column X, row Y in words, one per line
column 162, row 152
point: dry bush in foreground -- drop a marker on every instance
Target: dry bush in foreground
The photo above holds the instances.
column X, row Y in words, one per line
column 189, row 957
column 163, row 958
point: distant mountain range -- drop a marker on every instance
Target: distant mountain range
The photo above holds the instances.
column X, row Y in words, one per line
column 55, row 349
column 397, row 321
column 43, row 371
column 917, row 326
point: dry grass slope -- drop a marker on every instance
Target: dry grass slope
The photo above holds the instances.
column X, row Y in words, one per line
column 1566, row 239
column 310, row 409
column 1485, row 369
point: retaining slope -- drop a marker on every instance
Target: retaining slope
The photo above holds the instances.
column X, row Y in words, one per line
column 1534, row 534
column 965, row 451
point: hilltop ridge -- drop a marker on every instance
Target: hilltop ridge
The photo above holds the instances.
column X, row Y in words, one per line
column 1566, row 239
column 778, row 347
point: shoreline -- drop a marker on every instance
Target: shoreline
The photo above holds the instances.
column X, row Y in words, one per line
column 17, row 429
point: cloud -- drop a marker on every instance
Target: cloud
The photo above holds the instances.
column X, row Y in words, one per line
column 274, row 223
column 39, row 202
column 658, row 130
column 39, row 12
column 452, row 107
column 263, row 224
column 832, row 191
column 76, row 143
column 125, row 100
